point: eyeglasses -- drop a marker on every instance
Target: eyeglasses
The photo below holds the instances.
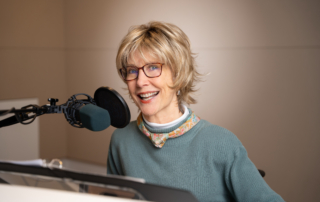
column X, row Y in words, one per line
column 150, row 70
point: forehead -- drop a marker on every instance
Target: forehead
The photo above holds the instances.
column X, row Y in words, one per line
column 140, row 58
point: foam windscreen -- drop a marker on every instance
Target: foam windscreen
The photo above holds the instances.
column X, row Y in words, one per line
column 94, row 118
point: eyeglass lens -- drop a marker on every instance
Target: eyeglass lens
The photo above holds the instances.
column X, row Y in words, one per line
column 150, row 70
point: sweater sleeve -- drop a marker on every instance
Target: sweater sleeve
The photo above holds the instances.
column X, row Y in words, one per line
column 245, row 182
column 111, row 168
column 113, row 163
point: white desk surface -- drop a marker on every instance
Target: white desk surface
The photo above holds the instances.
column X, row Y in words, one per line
column 21, row 193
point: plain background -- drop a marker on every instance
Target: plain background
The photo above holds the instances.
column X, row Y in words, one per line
column 263, row 58
column 19, row 136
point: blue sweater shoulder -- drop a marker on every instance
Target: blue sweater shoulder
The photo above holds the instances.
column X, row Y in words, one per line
column 216, row 137
column 214, row 132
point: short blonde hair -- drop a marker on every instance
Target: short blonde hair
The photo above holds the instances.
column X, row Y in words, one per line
column 171, row 45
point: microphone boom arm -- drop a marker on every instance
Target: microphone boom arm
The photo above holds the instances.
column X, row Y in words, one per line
column 69, row 109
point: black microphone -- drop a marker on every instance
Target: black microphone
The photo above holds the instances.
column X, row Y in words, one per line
column 97, row 114
column 111, row 109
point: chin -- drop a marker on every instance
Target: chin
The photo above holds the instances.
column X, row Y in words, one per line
column 147, row 112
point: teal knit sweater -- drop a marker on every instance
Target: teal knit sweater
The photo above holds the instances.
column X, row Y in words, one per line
column 208, row 160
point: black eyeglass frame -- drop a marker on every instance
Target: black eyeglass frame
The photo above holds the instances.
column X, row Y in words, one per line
column 123, row 69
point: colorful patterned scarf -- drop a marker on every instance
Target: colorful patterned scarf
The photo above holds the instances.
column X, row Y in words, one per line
column 158, row 139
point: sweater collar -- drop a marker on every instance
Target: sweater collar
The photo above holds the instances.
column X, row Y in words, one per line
column 159, row 137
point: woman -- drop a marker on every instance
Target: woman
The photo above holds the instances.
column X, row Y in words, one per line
column 169, row 144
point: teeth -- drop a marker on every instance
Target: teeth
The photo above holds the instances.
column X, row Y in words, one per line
column 147, row 98
column 147, row 94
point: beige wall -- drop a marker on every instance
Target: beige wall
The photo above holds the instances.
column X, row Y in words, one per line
column 32, row 62
column 263, row 56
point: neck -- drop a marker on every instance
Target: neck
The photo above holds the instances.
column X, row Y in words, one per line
column 165, row 117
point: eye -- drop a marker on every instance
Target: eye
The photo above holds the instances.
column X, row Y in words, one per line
column 153, row 67
column 132, row 70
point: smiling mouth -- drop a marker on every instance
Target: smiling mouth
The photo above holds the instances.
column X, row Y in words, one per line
column 148, row 96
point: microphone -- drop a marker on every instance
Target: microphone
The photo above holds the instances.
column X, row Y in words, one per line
column 93, row 117
column 92, row 113
column 107, row 108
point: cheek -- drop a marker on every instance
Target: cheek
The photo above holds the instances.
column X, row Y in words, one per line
column 131, row 90
column 168, row 93
column 130, row 86
column 171, row 94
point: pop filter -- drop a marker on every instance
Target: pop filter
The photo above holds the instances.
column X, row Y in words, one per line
column 109, row 99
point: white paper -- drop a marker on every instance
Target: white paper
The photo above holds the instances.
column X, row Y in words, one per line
column 34, row 162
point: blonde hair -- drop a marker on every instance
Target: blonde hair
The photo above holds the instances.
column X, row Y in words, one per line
column 171, row 45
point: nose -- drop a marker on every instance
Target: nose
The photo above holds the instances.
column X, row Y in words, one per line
column 142, row 79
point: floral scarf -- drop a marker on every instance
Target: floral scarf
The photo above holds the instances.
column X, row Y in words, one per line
column 158, row 139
